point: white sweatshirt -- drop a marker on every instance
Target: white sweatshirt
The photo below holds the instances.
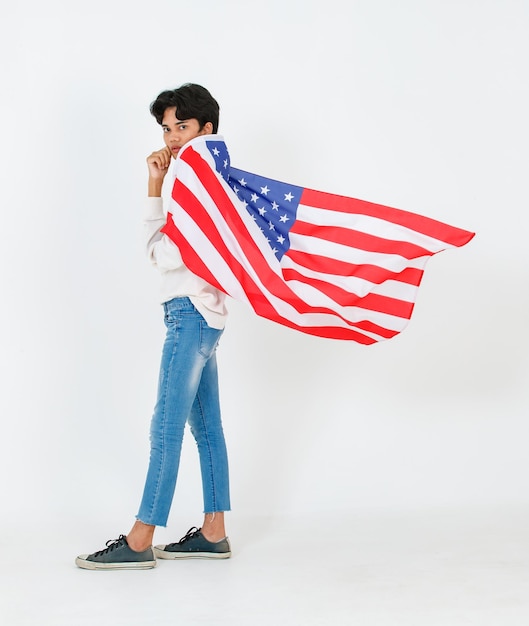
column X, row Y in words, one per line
column 176, row 279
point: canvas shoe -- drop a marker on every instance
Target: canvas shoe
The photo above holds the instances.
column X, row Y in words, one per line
column 117, row 555
column 194, row 545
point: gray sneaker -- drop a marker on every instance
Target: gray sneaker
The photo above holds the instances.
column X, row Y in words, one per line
column 117, row 555
column 194, row 545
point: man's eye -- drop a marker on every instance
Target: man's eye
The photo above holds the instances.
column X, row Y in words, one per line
column 183, row 127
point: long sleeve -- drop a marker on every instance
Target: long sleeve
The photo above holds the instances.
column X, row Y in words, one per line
column 161, row 251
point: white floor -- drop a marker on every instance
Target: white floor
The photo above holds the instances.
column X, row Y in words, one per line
column 430, row 568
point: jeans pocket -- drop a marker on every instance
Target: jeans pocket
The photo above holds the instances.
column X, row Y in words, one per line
column 209, row 340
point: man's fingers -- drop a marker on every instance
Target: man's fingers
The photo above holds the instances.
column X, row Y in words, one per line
column 160, row 158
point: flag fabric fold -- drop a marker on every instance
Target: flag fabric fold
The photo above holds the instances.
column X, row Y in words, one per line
column 319, row 263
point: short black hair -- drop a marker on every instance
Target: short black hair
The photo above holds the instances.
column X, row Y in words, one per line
column 191, row 101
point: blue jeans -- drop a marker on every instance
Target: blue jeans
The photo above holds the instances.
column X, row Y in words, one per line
column 187, row 392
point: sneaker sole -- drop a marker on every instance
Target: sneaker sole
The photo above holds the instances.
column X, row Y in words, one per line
column 93, row 565
column 173, row 556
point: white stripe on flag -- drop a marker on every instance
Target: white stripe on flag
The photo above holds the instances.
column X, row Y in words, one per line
column 370, row 226
column 347, row 254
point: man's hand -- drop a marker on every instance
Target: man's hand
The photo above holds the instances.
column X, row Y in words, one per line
column 158, row 163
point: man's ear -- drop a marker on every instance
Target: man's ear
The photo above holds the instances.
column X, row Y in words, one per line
column 207, row 129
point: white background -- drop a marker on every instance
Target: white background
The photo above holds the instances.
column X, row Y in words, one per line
column 421, row 105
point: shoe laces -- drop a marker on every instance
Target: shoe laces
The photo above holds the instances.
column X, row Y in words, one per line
column 192, row 532
column 111, row 545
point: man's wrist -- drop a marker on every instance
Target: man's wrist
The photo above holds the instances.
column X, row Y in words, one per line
column 155, row 187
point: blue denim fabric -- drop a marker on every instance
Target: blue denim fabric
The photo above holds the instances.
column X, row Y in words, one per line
column 187, row 392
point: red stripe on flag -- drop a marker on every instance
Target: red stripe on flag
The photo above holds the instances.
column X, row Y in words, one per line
column 425, row 225
column 371, row 302
column 371, row 327
column 359, row 240
column 336, row 332
column 372, row 273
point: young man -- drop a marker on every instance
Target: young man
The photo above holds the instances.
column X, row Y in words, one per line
column 195, row 315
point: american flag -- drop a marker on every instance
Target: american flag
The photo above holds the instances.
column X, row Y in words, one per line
column 320, row 263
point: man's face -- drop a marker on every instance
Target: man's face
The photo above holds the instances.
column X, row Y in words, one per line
column 178, row 132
